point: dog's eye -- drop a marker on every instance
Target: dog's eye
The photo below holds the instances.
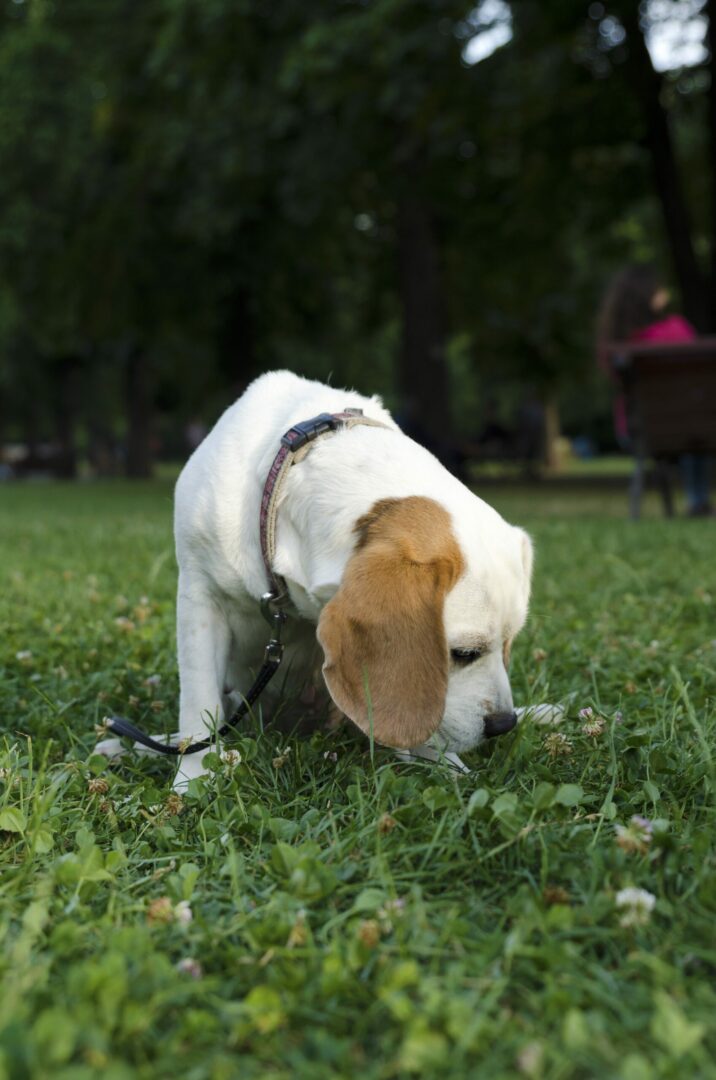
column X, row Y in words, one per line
column 465, row 656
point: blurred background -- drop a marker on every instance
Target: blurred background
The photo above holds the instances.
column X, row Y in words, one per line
column 420, row 198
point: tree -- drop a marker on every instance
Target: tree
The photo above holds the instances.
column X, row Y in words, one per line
column 212, row 189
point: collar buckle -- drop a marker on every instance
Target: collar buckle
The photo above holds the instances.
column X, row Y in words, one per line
column 308, row 430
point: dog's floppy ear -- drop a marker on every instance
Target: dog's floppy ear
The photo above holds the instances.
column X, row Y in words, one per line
column 386, row 655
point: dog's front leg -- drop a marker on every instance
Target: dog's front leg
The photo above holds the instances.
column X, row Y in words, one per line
column 203, row 640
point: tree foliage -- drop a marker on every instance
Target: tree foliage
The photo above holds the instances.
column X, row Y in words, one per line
column 195, row 191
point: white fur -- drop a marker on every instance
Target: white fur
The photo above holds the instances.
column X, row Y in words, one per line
column 221, row 635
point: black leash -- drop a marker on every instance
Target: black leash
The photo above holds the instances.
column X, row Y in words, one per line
column 273, row 655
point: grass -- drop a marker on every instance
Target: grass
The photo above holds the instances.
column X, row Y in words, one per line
column 613, row 466
column 353, row 916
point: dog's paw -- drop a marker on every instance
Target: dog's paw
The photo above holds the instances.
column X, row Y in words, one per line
column 456, row 761
column 430, row 753
column 115, row 748
column 189, row 769
column 110, row 748
column 545, row 715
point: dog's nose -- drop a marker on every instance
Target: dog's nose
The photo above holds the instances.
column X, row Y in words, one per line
column 497, row 723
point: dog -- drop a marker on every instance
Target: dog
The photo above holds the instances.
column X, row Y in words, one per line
column 405, row 588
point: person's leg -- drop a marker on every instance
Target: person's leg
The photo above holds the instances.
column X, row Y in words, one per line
column 702, row 477
column 695, row 473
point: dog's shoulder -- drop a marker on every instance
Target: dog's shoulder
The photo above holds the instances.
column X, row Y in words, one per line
column 218, row 492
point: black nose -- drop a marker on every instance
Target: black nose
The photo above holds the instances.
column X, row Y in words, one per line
column 497, row 723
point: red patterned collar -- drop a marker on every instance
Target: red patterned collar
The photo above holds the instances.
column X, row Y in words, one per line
column 295, row 444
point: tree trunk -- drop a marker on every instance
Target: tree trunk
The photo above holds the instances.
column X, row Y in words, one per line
column 422, row 369
column 647, row 84
column 552, row 432
column 31, row 429
column 236, row 341
column 65, row 411
column 138, row 404
column 101, row 442
column 711, row 42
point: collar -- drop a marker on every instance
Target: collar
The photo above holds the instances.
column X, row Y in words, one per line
column 295, row 445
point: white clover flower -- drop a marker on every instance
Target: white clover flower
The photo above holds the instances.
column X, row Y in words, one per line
column 183, row 913
column 637, row 904
column 529, row 1059
column 189, row 966
column 556, row 744
column 586, row 714
column 24, row 656
column 636, row 836
column 231, row 758
column 279, row 761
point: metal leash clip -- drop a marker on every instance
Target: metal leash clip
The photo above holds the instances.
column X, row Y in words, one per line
column 275, row 617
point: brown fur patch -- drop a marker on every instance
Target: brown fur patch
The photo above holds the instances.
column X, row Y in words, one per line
column 382, row 633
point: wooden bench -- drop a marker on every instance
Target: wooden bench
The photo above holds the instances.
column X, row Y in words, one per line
column 670, row 392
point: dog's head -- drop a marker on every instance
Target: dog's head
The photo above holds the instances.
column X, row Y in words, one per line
column 417, row 638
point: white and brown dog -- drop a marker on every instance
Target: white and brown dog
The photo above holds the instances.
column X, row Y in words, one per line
column 413, row 587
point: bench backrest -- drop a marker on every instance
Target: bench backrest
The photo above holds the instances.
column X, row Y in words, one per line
column 671, row 395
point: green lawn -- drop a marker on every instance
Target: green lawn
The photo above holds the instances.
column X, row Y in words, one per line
column 358, row 917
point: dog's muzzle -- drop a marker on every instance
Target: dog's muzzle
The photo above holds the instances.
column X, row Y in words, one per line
column 497, row 723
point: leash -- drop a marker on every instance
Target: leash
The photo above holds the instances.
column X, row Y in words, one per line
column 273, row 654
column 295, row 444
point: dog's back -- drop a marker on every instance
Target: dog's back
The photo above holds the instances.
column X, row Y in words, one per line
column 218, row 494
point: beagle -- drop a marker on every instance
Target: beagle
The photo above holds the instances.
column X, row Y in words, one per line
column 407, row 587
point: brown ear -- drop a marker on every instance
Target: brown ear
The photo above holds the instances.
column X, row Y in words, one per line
column 382, row 633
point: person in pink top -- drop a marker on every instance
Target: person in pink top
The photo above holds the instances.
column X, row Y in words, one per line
column 635, row 309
